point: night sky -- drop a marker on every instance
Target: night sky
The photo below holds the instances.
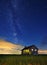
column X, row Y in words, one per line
column 24, row 22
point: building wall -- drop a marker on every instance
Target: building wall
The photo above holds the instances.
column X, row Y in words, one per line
column 26, row 51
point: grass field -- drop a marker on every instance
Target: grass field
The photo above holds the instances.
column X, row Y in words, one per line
column 23, row 60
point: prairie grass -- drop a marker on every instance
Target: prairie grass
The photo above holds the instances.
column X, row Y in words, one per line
column 23, row 60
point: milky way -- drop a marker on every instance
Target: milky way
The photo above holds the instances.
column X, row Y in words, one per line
column 23, row 21
column 9, row 10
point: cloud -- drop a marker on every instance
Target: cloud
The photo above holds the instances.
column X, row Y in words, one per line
column 10, row 48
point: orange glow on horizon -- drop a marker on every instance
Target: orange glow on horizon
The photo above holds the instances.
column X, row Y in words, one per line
column 9, row 48
column 42, row 51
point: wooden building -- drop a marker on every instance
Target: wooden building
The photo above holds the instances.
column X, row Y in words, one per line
column 31, row 50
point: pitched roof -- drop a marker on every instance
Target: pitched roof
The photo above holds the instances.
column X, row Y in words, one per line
column 32, row 46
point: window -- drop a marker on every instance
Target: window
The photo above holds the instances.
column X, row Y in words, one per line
column 32, row 49
column 27, row 50
column 35, row 49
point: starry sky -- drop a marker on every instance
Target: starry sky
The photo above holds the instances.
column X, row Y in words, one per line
column 24, row 22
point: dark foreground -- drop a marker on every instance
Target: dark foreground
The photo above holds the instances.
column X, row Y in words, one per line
column 23, row 60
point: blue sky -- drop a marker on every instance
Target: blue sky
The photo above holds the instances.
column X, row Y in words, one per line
column 24, row 21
